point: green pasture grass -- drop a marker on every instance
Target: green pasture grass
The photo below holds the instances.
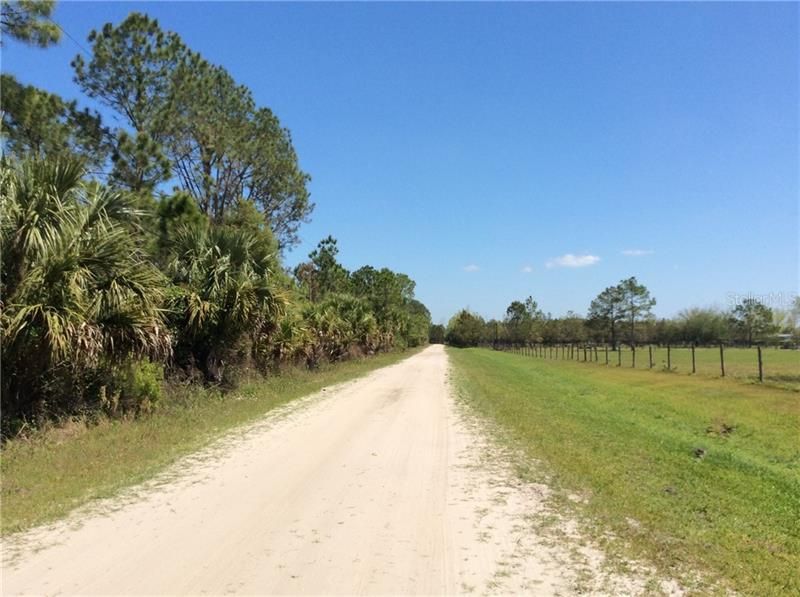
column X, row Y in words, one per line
column 781, row 368
column 44, row 477
column 690, row 472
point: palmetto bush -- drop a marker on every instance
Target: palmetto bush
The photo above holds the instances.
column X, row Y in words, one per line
column 286, row 343
column 78, row 295
column 223, row 297
column 359, row 325
column 338, row 326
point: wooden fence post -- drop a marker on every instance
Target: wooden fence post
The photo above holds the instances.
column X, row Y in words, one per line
column 650, row 353
column 694, row 364
column 669, row 359
column 619, row 356
column 606, row 355
column 584, row 353
column 633, row 356
column 760, row 365
column 595, row 354
column 722, row 359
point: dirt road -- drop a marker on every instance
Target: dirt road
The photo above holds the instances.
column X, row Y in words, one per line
column 377, row 486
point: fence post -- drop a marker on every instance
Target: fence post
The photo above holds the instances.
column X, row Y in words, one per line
column 721, row 360
column 633, row 356
column 650, row 353
column 760, row 365
column 606, row 355
column 619, row 356
column 669, row 359
column 595, row 354
column 694, row 365
column 584, row 353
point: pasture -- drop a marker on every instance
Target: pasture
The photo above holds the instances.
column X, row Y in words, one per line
column 691, row 473
column 781, row 368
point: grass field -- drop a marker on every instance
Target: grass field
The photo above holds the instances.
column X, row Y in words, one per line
column 781, row 367
column 45, row 477
column 692, row 472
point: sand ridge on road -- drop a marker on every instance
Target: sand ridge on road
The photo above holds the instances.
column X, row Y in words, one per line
column 378, row 487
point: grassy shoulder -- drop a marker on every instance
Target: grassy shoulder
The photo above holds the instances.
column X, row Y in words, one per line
column 691, row 473
column 45, row 477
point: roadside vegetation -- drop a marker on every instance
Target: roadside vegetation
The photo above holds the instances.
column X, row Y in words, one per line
column 68, row 465
column 690, row 473
column 150, row 254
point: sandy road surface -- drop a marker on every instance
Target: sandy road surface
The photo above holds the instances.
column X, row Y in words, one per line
column 376, row 486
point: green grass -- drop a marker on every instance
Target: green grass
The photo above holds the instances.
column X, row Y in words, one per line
column 46, row 476
column 629, row 441
column 781, row 367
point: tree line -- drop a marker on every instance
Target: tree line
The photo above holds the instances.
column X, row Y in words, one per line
column 623, row 314
column 155, row 248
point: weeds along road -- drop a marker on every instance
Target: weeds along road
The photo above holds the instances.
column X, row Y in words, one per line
column 376, row 486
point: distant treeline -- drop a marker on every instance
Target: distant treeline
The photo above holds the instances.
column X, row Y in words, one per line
column 110, row 282
column 623, row 314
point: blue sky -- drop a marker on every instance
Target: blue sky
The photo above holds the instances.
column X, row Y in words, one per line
column 492, row 151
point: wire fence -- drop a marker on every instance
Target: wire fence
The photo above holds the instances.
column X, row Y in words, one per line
column 758, row 364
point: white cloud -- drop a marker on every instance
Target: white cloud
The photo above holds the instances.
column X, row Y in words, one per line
column 526, row 269
column 637, row 252
column 471, row 268
column 570, row 260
